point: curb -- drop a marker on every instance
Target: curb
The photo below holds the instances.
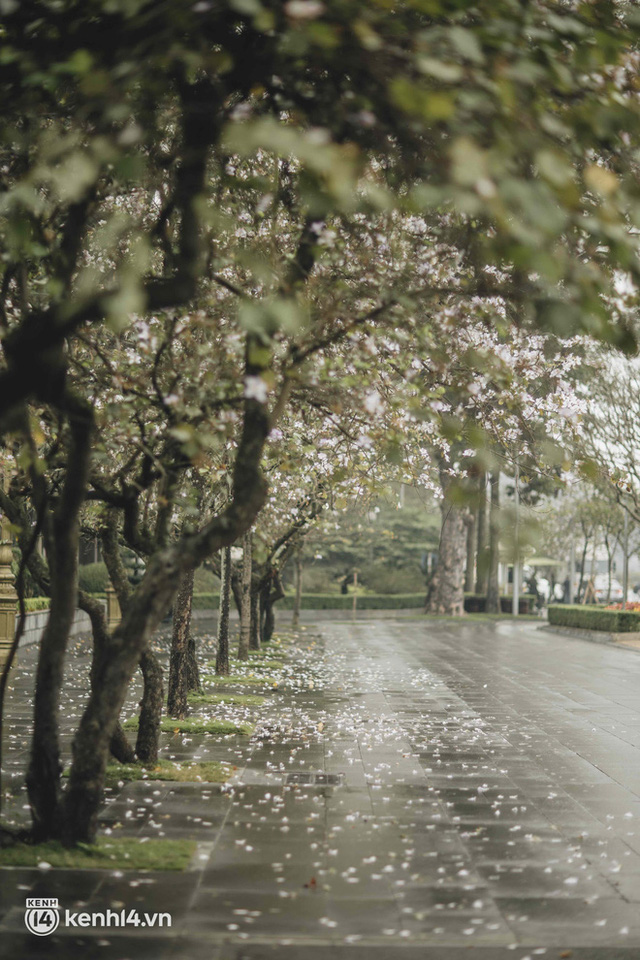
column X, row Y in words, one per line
column 593, row 636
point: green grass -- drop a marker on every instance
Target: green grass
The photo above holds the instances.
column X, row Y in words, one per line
column 197, row 725
column 122, row 852
column 264, row 664
column 210, row 771
column 234, row 699
column 235, row 681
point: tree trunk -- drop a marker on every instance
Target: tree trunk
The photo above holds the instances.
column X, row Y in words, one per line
column 482, row 553
column 265, row 590
column 254, row 631
column 583, row 563
column 222, row 657
column 178, row 665
column 236, row 589
column 148, row 738
column 297, row 601
column 269, row 619
column 446, row 593
column 245, row 607
column 43, row 773
column 193, row 671
column 120, row 747
column 151, row 601
column 493, row 589
column 45, row 767
column 471, row 553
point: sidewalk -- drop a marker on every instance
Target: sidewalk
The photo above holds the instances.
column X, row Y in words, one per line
column 479, row 796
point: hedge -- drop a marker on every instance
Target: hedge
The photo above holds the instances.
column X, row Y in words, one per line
column 476, row 603
column 36, row 603
column 93, row 577
column 330, row 601
column 591, row 617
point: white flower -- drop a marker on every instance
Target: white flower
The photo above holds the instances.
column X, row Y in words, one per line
column 255, row 389
column 373, row 402
column 304, row 9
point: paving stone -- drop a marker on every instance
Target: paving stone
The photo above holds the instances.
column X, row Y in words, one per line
column 490, row 808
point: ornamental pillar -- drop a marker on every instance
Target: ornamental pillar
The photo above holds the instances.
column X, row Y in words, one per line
column 114, row 613
column 8, row 595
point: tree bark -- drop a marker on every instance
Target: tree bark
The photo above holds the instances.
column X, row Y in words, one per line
column 179, row 660
column 469, row 578
column 446, row 593
column 193, row 671
column 269, row 623
column 297, row 602
column 148, row 739
column 222, row 657
column 43, row 773
column 254, row 632
column 236, row 588
column 493, row 587
column 482, row 550
column 583, row 562
column 245, row 607
column 120, row 747
column 148, row 606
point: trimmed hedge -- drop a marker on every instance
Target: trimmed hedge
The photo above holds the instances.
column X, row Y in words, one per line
column 93, row 577
column 476, row 603
column 330, row 601
column 36, row 603
column 592, row 617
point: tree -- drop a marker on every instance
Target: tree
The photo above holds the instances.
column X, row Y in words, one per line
column 228, row 178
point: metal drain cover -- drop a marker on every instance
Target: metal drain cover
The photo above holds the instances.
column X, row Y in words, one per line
column 315, row 779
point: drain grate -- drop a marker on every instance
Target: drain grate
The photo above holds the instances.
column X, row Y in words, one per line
column 315, row 779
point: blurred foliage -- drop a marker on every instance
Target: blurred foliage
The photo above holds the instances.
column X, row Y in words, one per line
column 517, row 121
column 386, row 544
column 93, row 577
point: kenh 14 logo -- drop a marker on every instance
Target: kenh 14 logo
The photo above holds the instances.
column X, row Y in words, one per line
column 42, row 915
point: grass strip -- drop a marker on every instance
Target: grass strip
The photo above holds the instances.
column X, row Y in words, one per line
column 197, row 725
column 128, row 853
column 210, row 771
column 235, row 681
column 233, row 699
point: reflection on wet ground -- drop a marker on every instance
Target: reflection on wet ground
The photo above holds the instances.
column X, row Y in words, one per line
column 488, row 797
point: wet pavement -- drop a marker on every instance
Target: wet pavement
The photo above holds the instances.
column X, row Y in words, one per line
column 417, row 789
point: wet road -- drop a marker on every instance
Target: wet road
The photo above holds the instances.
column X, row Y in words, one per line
column 485, row 795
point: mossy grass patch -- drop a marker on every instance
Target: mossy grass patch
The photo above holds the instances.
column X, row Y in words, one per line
column 210, row 771
column 234, row 680
column 197, row 725
column 124, row 853
column 233, row 699
column 257, row 665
